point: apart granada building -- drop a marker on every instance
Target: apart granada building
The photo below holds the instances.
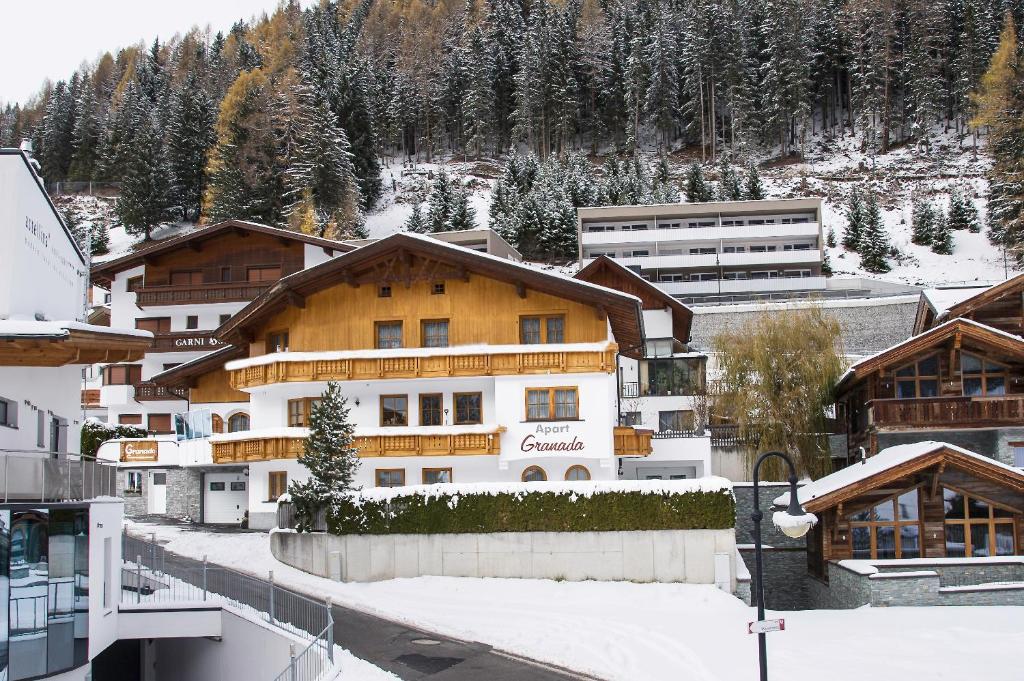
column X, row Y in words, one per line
column 457, row 366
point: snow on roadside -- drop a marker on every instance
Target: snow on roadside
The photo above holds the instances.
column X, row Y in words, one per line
column 623, row 631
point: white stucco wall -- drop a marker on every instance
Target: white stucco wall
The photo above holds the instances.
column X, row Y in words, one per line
column 105, row 519
column 52, row 391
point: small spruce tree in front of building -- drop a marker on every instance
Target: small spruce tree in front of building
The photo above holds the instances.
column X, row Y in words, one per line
column 753, row 190
column 874, row 242
column 922, row 222
column 330, row 456
column 942, row 235
column 963, row 215
column 854, row 222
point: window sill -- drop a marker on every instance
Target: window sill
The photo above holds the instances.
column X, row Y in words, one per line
column 12, row 426
column 553, row 421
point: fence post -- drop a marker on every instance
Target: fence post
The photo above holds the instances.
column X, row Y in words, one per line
column 204, row 576
column 330, row 632
column 81, row 473
column 138, row 578
column 291, row 661
column 42, row 479
column 270, row 609
column 152, row 551
column 7, row 475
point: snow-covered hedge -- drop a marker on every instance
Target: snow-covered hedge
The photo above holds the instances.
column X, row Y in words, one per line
column 706, row 503
column 95, row 433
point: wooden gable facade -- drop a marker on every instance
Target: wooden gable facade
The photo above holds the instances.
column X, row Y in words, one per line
column 958, row 375
column 1000, row 306
column 944, row 503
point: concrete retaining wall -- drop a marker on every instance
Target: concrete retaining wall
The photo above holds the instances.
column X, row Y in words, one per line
column 644, row 556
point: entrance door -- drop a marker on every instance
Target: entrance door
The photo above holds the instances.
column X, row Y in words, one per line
column 157, row 501
column 225, row 498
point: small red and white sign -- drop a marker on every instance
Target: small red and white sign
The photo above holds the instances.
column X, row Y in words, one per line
column 765, row 626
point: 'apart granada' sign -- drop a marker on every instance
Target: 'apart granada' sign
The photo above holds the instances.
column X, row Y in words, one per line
column 547, row 438
column 144, row 450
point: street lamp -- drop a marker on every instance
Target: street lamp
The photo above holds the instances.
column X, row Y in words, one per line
column 793, row 522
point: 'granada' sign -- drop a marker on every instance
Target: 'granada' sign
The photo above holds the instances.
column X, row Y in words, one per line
column 547, row 438
column 143, row 450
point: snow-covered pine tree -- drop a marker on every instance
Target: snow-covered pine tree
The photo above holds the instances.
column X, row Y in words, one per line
column 146, row 190
column 942, row 235
column 415, row 222
column 698, row 190
column 962, row 212
column 58, row 130
column 329, row 454
column 874, row 242
column 478, row 99
column 636, row 186
column 826, row 265
column 753, row 190
column 830, row 238
column 922, row 222
column 86, row 134
column 557, row 238
column 729, row 186
column 441, row 204
column 101, row 239
column 504, row 210
column 190, row 136
column 854, row 222
column 578, row 180
column 462, row 215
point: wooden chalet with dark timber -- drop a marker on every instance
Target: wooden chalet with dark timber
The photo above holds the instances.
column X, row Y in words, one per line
column 918, row 501
column 204, row 380
column 404, row 260
column 610, row 274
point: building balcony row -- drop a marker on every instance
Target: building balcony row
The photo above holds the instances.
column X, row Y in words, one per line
column 396, row 364
column 946, row 412
column 705, row 261
column 199, row 294
column 728, row 286
column 689, row 236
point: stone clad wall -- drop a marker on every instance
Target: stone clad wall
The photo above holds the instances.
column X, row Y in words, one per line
column 643, row 556
column 184, row 491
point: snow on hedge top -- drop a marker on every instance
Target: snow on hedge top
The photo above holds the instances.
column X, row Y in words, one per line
column 32, row 327
column 879, row 463
column 478, row 349
column 578, row 488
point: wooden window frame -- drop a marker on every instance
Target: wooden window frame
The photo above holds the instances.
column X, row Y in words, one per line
column 577, row 467
column 455, row 408
column 551, row 402
column 191, row 322
column 984, row 375
column 133, row 284
column 225, row 274
column 385, row 291
column 388, row 322
column 268, row 345
column 190, row 272
column 271, row 476
column 423, row 475
column 121, row 419
column 158, row 320
column 395, row 396
column 234, row 416
column 378, row 471
column 151, row 429
column 917, row 378
column 260, row 268
column 217, row 423
column 437, row 288
column 305, row 412
column 895, row 523
column 128, row 369
column 544, row 473
column 447, row 332
column 440, row 408
column 543, row 319
column 967, row 522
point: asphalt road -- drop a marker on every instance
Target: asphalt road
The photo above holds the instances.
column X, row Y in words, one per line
column 407, row 652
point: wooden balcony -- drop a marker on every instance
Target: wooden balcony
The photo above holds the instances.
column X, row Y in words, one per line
column 147, row 391
column 90, row 397
column 947, row 412
column 185, row 341
column 266, row 449
column 631, row 441
column 504, row 364
column 198, row 294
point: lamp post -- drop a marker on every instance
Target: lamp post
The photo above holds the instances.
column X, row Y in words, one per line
column 793, row 522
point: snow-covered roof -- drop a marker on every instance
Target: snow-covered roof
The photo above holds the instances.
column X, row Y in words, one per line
column 941, row 299
column 454, row 350
column 31, row 328
column 879, row 463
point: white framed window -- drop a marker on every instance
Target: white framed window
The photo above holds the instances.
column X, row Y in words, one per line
column 8, row 413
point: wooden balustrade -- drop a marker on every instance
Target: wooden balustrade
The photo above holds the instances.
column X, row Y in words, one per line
column 631, row 441
column 462, row 444
column 947, row 412
column 91, row 397
column 502, row 364
column 149, row 391
column 226, row 292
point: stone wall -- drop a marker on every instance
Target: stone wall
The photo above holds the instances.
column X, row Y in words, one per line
column 134, row 504
column 687, row 556
column 785, row 559
column 184, row 493
column 921, row 582
column 867, row 326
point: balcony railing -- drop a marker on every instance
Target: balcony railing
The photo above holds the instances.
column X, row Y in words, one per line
column 631, row 441
column 148, row 391
column 947, row 412
column 43, row 478
column 630, row 389
column 461, row 444
column 725, row 436
column 483, row 364
column 91, row 397
column 184, row 341
column 672, row 434
column 228, row 292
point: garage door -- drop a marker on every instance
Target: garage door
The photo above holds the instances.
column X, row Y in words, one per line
column 225, row 498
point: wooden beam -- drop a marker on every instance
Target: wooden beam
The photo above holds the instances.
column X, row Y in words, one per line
column 243, row 233
column 935, row 479
column 296, row 299
column 195, row 245
column 329, row 251
column 520, row 289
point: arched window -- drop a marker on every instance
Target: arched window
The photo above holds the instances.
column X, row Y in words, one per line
column 577, row 473
column 534, row 474
column 237, row 422
column 218, row 424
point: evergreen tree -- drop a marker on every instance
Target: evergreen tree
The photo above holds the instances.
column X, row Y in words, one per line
column 753, row 190
column 415, row 222
column 830, row 238
column 146, row 190
column 697, row 188
column 923, row 222
column 962, row 212
column 330, row 456
column 942, row 235
column 85, row 136
column 448, row 207
column 58, row 131
column 101, row 240
column 874, row 241
column 504, row 210
column 826, row 265
column 855, row 222
column 729, row 186
column 190, row 137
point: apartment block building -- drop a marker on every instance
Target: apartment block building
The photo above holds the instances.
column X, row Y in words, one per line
column 700, row 252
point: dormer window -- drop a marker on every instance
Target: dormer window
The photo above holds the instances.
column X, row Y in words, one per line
column 277, row 341
column 919, row 379
column 384, row 291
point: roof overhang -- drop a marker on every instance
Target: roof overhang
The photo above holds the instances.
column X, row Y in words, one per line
column 187, row 373
column 70, row 346
column 985, row 297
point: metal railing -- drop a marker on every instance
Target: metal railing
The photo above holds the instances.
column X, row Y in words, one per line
column 149, row 575
column 630, row 389
column 671, row 434
column 41, row 477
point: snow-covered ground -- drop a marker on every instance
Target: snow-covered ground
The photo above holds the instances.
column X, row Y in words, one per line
column 623, row 631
